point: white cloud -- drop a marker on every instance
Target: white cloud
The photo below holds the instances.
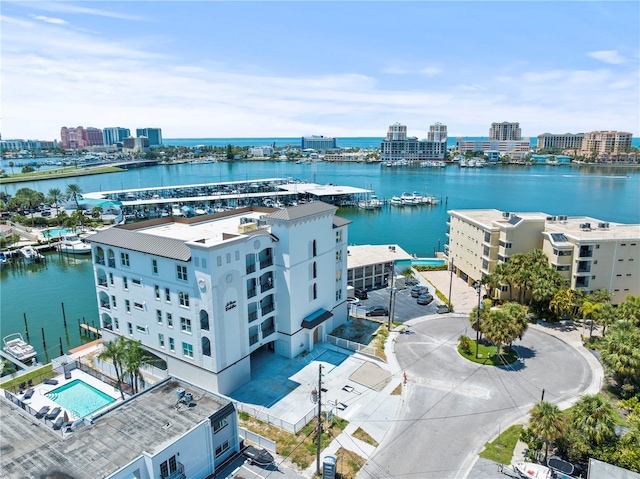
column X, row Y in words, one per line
column 608, row 56
column 55, row 21
column 431, row 71
column 64, row 7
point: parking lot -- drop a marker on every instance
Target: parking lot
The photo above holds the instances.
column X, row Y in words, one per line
column 406, row 307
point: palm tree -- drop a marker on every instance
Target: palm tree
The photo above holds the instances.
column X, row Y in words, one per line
column 135, row 356
column 73, row 191
column 629, row 310
column 607, row 316
column 55, row 195
column 518, row 317
column 114, row 351
column 590, row 310
column 547, row 421
column 497, row 328
column 620, row 352
column 594, row 419
column 96, row 212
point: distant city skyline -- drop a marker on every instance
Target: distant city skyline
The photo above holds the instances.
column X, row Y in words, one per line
column 339, row 69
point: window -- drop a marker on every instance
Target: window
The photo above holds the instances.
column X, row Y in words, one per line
column 159, row 316
column 338, row 236
column 196, row 261
column 154, row 266
column 314, row 248
column 237, row 255
column 124, row 259
column 156, row 290
column 219, row 261
column 338, row 294
column 125, row 282
column 204, row 263
column 116, row 323
column 172, row 345
column 141, row 329
column 220, row 424
column 222, row 448
column 228, row 258
column 170, row 320
column 138, row 305
column 111, row 279
column 184, row 299
column 167, row 295
column 187, row 350
column 315, row 269
column 182, row 272
column 206, row 346
column 167, row 468
column 315, row 291
column 130, row 329
column 185, row 325
column 137, row 282
column 339, row 255
column 113, row 301
column 161, row 340
column 127, row 305
column 504, row 288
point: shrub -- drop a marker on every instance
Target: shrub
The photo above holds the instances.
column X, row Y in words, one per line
column 465, row 343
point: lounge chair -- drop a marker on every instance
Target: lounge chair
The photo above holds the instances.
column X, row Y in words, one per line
column 67, row 374
column 41, row 413
column 50, row 382
column 28, row 394
column 58, row 424
column 53, row 414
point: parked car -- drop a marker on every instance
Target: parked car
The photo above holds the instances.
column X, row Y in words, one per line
column 45, row 213
column 442, row 308
column 425, row 298
column 360, row 293
column 354, row 301
column 417, row 290
column 377, row 311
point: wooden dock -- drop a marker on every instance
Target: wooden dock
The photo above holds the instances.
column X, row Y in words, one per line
column 90, row 330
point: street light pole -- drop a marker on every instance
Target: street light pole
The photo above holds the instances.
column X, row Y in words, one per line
column 479, row 286
column 450, row 282
column 392, row 302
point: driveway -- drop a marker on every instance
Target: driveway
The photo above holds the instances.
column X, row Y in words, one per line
column 452, row 406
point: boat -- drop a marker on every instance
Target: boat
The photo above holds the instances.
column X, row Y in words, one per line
column 4, row 259
column 17, row 347
column 409, row 199
column 431, row 199
column 72, row 244
column 30, row 254
column 530, row 470
column 371, row 203
column 397, row 201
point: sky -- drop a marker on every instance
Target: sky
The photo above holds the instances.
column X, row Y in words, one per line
column 286, row 69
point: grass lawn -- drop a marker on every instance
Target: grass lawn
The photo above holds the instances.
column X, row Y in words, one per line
column 45, row 372
column 501, row 450
column 348, row 464
column 487, row 355
column 57, row 173
column 363, row 436
column 298, row 448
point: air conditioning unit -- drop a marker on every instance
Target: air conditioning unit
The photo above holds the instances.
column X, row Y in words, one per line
column 506, row 215
column 562, row 218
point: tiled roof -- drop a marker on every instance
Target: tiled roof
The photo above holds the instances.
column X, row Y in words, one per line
column 143, row 243
column 300, row 211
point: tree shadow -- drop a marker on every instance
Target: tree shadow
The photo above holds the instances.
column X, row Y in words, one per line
column 524, row 353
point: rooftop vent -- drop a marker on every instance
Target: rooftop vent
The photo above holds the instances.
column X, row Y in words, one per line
column 506, row 214
column 585, row 226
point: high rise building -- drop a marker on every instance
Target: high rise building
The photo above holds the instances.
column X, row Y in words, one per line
column 154, row 135
column 563, row 141
column 80, row 137
column 397, row 146
column 601, row 142
column 116, row 134
column 437, row 132
column 505, row 131
column 205, row 295
column 319, row 143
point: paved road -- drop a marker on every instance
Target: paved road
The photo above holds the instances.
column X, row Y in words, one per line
column 453, row 407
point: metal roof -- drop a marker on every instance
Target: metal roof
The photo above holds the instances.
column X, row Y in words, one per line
column 144, row 243
column 339, row 221
column 300, row 211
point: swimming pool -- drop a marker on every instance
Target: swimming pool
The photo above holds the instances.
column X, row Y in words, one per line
column 422, row 262
column 56, row 232
column 80, row 398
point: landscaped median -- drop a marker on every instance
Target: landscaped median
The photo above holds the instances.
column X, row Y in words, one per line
column 57, row 173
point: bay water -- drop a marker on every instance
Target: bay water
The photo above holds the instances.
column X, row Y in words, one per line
column 605, row 193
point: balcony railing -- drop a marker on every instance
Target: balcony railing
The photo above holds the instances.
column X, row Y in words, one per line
column 266, row 262
column 266, row 286
column 99, row 260
column 103, row 282
column 268, row 308
column 251, row 292
column 253, row 339
column 584, row 268
column 177, row 474
column 253, row 315
column 105, row 304
column 108, row 326
column 585, row 254
column 112, row 263
column 251, row 268
column 268, row 331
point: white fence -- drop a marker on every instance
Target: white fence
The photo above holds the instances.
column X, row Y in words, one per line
column 353, row 346
column 276, row 421
column 257, row 439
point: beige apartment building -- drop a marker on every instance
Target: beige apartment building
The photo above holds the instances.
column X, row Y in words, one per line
column 600, row 142
column 591, row 254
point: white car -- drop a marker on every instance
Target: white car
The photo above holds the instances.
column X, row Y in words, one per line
column 354, row 301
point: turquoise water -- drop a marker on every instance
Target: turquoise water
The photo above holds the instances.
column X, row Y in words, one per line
column 56, row 232
column 422, row 262
column 80, row 398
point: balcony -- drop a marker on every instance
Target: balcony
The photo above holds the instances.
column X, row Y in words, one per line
column 584, row 267
column 251, row 268
column 268, row 308
column 99, row 260
column 105, row 304
column 253, row 339
column 268, row 331
column 253, row 315
column 108, row 326
column 112, row 263
column 103, row 282
column 266, row 286
column 265, row 263
column 177, row 474
column 251, row 292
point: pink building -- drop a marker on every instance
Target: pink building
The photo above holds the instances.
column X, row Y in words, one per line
column 80, row 137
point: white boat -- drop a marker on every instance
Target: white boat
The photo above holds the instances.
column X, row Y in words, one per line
column 409, row 199
column 397, row 201
column 30, row 254
column 371, row 203
column 530, row 470
column 72, row 244
column 17, row 347
column 418, row 197
column 3, row 259
column 431, row 199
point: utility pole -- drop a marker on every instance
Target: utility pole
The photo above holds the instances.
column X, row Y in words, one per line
column 450, row 282
column 319, row 436
column 479, row 286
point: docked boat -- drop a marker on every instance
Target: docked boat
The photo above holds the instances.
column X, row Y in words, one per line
column 372, row 203
column 72, row 244
column 4, row 259
column 397, row 201
column 30, row 254
column 530, row 470
column 409, row 199
column 17, row 347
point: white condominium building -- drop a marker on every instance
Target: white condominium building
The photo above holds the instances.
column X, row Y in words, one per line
column 437, row 132
column 563, row 141
column 204, row 294
column 397, row 146
column 590, row 253
column 505, row 131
